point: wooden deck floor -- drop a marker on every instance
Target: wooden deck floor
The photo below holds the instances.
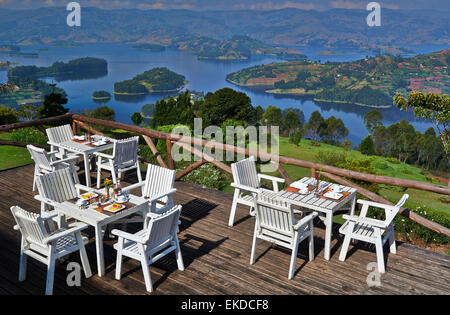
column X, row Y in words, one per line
column 217, row 256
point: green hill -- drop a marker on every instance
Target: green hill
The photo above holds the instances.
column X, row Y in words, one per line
column 152, row 81
column 371, row 81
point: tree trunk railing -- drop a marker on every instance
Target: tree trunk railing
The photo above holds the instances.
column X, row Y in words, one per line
column 333, row 173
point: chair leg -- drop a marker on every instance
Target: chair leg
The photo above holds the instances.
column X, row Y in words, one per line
column 311, row 243
column 254, row 244
column 178, row 254
column 119, row 260
column 233, row 207
column 345, row 245
column 139, row 176
column 293, row 258
column 146, row 270
column 392, row 245
column 50, row 272
column 22, row 264
column 113, row 175
column 99, row 172
column 83, row 256
column 380, row 254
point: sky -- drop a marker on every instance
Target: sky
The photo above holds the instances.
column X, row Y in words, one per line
column 442, row 5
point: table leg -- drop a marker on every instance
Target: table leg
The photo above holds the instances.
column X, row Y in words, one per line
column 353, row 205
column 99, row 249
column 328, row 229
column 86, row 170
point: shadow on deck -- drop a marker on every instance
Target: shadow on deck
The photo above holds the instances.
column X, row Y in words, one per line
column 217, row 256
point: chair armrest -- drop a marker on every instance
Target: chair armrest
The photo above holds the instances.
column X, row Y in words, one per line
column 64, row 160
column 16, row 227
column 133, row 186
column 272, row 178
column 246, row 188
column 104, row 155
column 305, row 220
column 46, row 201
column 49, row 215
column 128, row 236
column 375, row 204
column 362, row 220
column 58, row 235
column 169, row 192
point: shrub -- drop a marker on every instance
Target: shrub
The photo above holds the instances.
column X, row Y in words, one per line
column 208, row 175
column 366, row 146
column 8, row 115
column 29, row 135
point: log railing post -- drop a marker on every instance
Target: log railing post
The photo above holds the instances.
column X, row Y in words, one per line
column 155, row 151
column 169, row 154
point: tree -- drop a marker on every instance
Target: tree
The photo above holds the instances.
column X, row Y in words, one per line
column 136, row 118
column 297, row 137
column 333, row 130
column 347, row 144
column 27, row 112
column 226, row 104
column 104, row 112
column 366, row 146
column 435, row 107
column 8, row 115
column 372, row 119
column 291, row 122
column 52, row 106
column 273, row 116
column 314, row 124
column 259, row 113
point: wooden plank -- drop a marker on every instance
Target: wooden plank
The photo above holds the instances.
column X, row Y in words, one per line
column 189, row 169
column 169, row 154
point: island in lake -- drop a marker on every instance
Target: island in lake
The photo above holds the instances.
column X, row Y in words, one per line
column 156, row 80
column 101, row 96
column 369, row 82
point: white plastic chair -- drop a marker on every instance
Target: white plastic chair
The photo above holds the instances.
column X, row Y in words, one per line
column 57, row 135
column 45, row 162
column 247, row 184
column 372, row 230
column 150, row 244
column 124, row 158
column 45, row 246
column 275, row 223
column 157, row 190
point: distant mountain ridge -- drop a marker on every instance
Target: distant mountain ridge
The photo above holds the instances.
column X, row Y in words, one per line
column 288, row 27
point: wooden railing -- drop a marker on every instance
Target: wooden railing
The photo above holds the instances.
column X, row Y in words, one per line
column 335, row 174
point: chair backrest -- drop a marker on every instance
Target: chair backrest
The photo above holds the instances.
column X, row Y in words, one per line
column 275, row 219
column 163, row 227
column 31, row 226
column 391, row 213
column 158, row 181
column 40, row 157
column 59, row 134
column 245, row 173
column 58, row 185
column 125, row 151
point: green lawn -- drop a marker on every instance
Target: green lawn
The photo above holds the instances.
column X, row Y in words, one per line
column 11, row 156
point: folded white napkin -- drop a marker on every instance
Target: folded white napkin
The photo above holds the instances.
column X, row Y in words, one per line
column 99, row 143
column 333, row 195
column 79, row 137
column 299, row 185
column 337, row 188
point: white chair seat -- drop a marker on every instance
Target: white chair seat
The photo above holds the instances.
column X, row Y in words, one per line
column 68, row 243
column 360, row 229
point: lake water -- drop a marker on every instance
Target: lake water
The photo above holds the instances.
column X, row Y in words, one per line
column 124, row 62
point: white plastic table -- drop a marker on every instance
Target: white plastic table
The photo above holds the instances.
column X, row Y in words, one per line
column 84, row 150
column 99, row 220
column 323, row 206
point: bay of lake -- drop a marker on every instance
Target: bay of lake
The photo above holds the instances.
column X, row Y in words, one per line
column 124, row 62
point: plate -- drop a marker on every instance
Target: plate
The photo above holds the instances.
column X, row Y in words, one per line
column 333, row 195
column 115, row 207
column 88, row 196
column 299, row 185
column 98, row 143
column 79, row 138
column 125, row 201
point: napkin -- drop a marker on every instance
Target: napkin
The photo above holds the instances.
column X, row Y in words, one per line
column 333, row 195
column 99, row 143
column 79, row 137
column 299, row 185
